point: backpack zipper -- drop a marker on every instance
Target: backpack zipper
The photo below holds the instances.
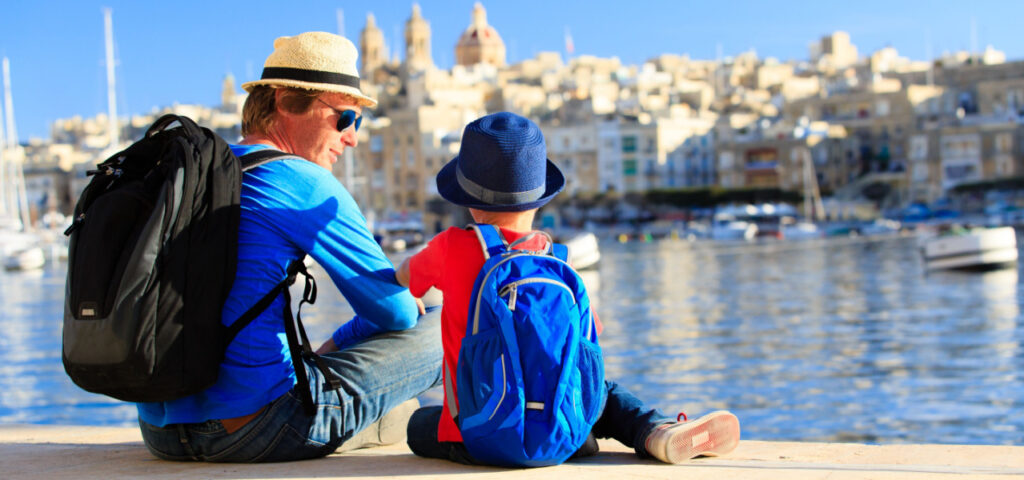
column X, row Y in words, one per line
column 511, row 289
column 511, row 255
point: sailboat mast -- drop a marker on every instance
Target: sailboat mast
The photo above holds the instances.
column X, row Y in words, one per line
column 814, row 209
column 14, row 157
column 112, row 124
column 3, row 168
column 6, row 193
column 12, row 134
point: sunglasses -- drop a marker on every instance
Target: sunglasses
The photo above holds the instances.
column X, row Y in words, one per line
column 346, row 118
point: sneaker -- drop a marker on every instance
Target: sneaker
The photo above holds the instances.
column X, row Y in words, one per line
column 714, row 434
column 390, row 429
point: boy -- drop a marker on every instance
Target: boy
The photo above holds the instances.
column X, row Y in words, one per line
column 503, row 176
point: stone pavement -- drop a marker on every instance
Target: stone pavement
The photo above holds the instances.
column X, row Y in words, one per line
column 78, row 452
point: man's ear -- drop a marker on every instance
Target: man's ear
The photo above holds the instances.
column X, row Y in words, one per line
column 278, row 95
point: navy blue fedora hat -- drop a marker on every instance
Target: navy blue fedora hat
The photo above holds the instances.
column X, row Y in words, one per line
column 502, row 166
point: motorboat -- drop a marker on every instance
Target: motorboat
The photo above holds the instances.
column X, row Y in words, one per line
column 971, row 249
column 881, row 226
column 583, row 250
column 28, row 258
column 726, row 226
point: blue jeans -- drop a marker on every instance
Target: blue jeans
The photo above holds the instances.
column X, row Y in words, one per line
column 624, row 418
column 377, row 375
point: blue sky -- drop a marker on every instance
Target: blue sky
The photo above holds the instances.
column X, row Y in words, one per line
column 179, row 51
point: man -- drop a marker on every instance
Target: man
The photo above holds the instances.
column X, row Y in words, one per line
column 308, row 104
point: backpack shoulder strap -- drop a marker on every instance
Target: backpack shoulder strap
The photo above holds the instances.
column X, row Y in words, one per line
column 491, row 240
column 560, row 252
column 264, row 156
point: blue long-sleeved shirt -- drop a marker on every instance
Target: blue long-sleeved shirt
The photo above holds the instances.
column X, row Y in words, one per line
column 290, row 208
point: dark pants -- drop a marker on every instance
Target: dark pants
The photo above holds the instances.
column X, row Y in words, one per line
column 625, row 418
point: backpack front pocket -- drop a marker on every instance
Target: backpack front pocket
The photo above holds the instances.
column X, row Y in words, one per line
column 487, row 390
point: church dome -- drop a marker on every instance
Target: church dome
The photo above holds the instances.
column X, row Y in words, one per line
column 480, row 43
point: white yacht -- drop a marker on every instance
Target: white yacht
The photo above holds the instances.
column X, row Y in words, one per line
column 971, row 249
column 583, row 250
column 733, row 223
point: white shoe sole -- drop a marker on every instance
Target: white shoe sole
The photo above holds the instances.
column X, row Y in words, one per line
column 714, row 434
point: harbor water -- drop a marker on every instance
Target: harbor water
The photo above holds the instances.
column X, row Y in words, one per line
column 839, row 340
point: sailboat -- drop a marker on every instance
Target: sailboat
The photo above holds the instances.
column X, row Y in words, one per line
column 814, row 210
column 20, row 248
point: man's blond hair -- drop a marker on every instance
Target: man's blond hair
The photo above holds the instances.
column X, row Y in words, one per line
column 258, row 113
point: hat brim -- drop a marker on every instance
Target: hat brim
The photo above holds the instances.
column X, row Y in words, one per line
column 364, row 100
column 449, row 189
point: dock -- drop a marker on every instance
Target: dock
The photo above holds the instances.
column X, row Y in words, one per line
column 82, row 452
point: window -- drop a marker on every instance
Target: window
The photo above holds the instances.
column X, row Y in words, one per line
column 1004, row 142
column 629, row 166
column 882, row 108
column 1003, row 165
column 629, row 144
column 918, row 147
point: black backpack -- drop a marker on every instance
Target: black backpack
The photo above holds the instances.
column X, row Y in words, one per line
column 151, row 260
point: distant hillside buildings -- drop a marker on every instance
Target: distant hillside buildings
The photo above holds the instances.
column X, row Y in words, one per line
column 671, row 122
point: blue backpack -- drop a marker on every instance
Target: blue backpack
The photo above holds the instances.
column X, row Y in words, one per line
column 530, row 373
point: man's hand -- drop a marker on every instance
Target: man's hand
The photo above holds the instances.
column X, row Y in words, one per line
column 419, row 305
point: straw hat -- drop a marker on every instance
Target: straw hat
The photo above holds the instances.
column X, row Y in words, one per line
column 315, row 61
column 502, row 166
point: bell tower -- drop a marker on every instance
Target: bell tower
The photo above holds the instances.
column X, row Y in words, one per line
column 417, row 41
column 372, row 50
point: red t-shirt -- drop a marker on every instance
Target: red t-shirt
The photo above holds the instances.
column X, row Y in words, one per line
column 450, row 263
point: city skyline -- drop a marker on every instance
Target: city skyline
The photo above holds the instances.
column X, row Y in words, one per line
column 56, row 48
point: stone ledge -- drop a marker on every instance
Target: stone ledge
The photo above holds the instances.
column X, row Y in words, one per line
column 78, row 452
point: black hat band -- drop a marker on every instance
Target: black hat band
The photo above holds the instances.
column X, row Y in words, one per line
column 311, row 76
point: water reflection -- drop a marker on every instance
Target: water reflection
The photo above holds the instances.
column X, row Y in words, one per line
column 829, row 340
column 837, row 340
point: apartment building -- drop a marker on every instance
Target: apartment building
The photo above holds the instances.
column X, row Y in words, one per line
column 775, row 153
column 969, row 149
column 644, row 152
column 878, row 120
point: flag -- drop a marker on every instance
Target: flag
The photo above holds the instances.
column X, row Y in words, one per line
column 568, row 42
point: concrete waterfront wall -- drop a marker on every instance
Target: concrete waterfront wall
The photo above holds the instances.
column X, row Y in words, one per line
column 78, row 452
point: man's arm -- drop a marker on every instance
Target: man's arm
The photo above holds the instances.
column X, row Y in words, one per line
column 402, row 273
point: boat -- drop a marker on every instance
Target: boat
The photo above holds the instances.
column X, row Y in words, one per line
column 28, row 258
column 583, row 250
column 399, row 231
column 726, row 225
column 978, row 248
column 19, row 245
column 881, row 226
